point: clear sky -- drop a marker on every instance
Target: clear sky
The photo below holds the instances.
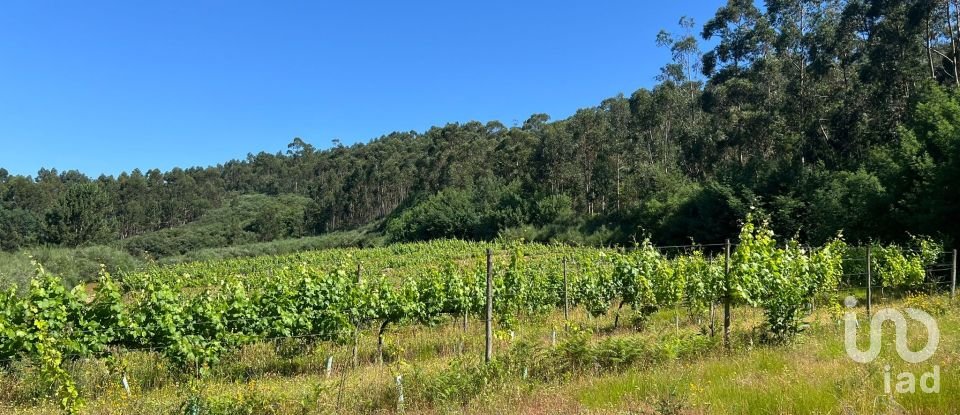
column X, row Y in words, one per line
column 108, row 86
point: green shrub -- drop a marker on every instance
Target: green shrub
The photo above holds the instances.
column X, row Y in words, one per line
column 73, row 265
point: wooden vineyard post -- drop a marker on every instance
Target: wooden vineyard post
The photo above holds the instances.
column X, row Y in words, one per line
column 726, row 297
column 953, row 276
column 813, row 301
column 488, row 355
column 463, row 334
column 356, row 335
column 869, row 282
column 713, row 317
column 400, row 399
column 566, row 298
column 713, row 311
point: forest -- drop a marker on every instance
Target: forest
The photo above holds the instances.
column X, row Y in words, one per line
column 819, row 115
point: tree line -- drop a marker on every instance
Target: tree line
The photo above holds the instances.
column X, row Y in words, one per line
column 821, row 115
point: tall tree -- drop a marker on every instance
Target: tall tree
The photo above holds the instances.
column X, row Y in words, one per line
column 80, row 216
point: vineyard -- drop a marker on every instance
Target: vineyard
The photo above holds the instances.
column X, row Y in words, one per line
column 194, row 318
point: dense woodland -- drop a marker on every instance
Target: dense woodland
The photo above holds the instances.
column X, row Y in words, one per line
column 821, row 115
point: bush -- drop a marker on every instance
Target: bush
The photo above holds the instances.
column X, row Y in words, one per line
column 448, row 214
column 345, row 239
column 74, row 266
column 246, row 219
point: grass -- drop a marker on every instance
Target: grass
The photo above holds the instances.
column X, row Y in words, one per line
column 667, row 368
column 812, row 375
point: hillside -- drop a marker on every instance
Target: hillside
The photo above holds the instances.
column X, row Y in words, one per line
column 799, row 111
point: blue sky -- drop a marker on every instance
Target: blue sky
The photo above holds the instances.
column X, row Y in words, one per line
column 108, row 86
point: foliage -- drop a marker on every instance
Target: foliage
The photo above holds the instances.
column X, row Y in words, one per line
column 244, row 220
column 826, row 116
column 74, row 265
column 783, row 281
column 195, row 313
column 904, row 268
column 79, row 216
column 705, row 280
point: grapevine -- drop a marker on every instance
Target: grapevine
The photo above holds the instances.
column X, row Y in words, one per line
column 195, row 313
